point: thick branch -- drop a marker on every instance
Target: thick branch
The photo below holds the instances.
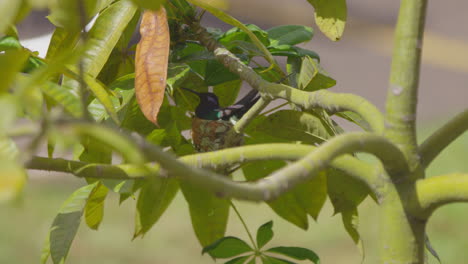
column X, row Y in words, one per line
column 432, row 193
column 404, row 77
column 440, row 139
column 190, row 168
column 321, row 99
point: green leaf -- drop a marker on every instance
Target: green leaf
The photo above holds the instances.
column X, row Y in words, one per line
column 155, row 197
column 123, row 92
column 293, row 68
column 12, row 174
column 216, row 73
column 157, row 137
column 350, row 219
column 179, row 8
column 9, row 107
column 289, row 35
column 9, row 43
column 312, row 194
column 238, row 260
column 355, row 118
column 94, row 209
column 312, row 77
column 33, row 63
column 134, row 120
column 28, row 90
column 345, row 192
column 296, row 253
column 264, row 234
column 209, row 214
column 187, row 100
column 103, row 96
column 11, row 62
column 8, row 11
column 227, row 247
column 110, row 138
column 273, row 260
column 330, row 17
column 234, row 22
column 152, row 4
column 66, row 223
column 293, row 52
column 66, row 13
column 121, row 61
column 294, row 126
column 64, row 97
column 59, row 94
column 176, row 75
column 60, row 41
column 45, row 252
column 102, row 38
column 230, row 37
column 95, row 151
column 227, row 92
column 286, row 206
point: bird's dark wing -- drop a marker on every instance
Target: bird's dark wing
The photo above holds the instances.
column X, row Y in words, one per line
column 247, row 98
column 239, row 109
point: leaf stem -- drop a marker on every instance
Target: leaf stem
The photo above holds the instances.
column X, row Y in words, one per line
column 434, row 192
column 245, row 225
column 441, row 138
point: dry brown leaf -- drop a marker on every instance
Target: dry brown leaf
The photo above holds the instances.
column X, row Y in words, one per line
column 151, row 61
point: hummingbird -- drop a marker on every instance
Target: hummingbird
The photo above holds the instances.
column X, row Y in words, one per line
column 209, row 108
column 211, row 126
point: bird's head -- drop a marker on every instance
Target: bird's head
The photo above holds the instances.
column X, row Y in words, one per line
column 208, row 105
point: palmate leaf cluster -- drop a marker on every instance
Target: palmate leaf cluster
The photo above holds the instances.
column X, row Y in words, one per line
column 241, row 252
column 89, row 77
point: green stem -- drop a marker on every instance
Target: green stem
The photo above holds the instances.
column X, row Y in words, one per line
column 434, row 192
column 245, row 225
column 402, row 234
column 404, row 77
column 440, row 139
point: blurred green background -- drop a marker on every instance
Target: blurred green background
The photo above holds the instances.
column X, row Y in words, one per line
column 360, row 63
column 24, row 225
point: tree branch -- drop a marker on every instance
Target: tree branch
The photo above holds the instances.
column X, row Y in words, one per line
column 264, row 189
column 253, row 112
column 355, row 168
column 441, row 138
column 404, row 78
column 329, row 101
column 432, row 193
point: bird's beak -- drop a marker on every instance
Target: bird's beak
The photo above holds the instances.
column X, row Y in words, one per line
column 192, row 91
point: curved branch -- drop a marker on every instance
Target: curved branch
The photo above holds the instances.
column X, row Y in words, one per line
column 264, row 189
column 432, row 193
column 333, row 102
column 355, row 168
column 391, row 157
column 441, row 138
